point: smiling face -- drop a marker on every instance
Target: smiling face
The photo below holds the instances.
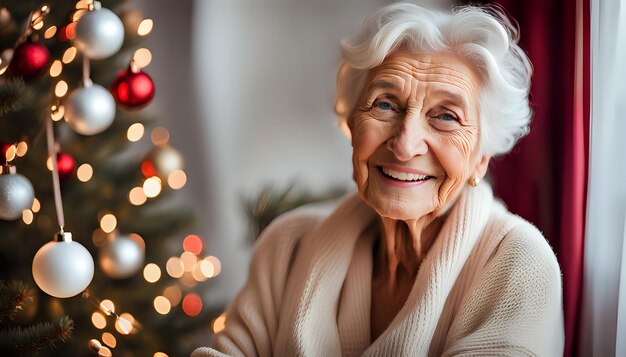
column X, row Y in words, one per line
column 415, row 134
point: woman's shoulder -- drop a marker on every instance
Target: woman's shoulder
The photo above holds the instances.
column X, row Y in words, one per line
column 524, row 249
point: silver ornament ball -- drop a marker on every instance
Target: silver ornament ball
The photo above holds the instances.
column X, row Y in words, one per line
column 99, row 34
column 16, row 195
column 90, row 110
column 63, row 269
column 121, row 258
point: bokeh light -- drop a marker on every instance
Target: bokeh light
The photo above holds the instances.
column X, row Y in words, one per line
column 94, row 345
column 84, row 172
column 192, row 304
column 50, row 32
column 160, row 354
column 197, row 273
column 109, row 339
column 98, row 320
column 69, row 55
column 219, row 323
column 152, row 273
column 162, row 305
column 27, row 216
column 173, row 294
column 217, row 265
column 160, row 136
column 21, row 149
column 206, row 268
column 123, row 325
column 152, row 187
column 135, row 132
column 175, row 267
column 142, row 57
column 107, row 307
column 145, row 27
column 99, row 238
column 10, row 153
column 137, row 197
column 61, row 88
column 57, row 112
column 177, row 179
column 56, row 68
column 36, row 205
column 189, row 260
column 192, row 244
column 108, row 223
column 104, row 352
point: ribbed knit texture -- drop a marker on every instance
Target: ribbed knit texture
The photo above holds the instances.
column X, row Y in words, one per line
column 490, row 285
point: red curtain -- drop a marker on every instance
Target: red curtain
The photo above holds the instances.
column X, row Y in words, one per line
column 544, row 179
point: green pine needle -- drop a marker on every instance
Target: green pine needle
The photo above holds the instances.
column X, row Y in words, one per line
column 14, row 296
column 26, row 341
column 14, row 94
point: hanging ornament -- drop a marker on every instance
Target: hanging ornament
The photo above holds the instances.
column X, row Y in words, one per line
column 99, row 33
column 16, row 194
column 66, row 165
column 121, row 257
column 63, row 268
column 90, row 110
column 29, row 59
column 161, row 161
column 133, row 88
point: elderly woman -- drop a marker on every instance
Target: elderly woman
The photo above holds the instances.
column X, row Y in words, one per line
column 423, row 261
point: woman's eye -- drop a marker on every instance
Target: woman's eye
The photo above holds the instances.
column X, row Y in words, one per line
column 447, row 117
column 383, row 105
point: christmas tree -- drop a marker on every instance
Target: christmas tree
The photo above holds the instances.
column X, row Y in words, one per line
column 100, row 230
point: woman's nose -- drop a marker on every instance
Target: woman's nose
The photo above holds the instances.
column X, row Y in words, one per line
column 408, row 142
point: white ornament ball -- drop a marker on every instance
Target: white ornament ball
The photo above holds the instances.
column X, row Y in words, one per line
column 90, row 110
column 63, row 269
column 16, row 195
column 121, row 258
column 99, row 34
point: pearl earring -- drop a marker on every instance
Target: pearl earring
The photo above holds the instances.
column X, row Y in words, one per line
column 475, row 181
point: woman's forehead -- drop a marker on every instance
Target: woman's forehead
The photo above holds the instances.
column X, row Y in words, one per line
column 445, row 72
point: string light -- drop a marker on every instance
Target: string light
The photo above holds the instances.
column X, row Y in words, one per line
column 177, row 179
column 56, row 68
column 219, row 323
column 193, row 244
column 109, row 339
column 108, row 223
column 137, row 197
column 145, row 27
column 57, row 112
column 175, row 267
column 69, row 55
column 50, row 32
column 192, row 305
column 10, row 153
column 162, row 305
column 123, row 325
column 21, row 149
column 61, row 88
column 152, row 187
column 36, row 205
column 152, row 273
column 107, row 307
column 135, row 132
column 98, row 320
column 27, row 216
column 159, row 136
column 142, row 57
column 84, row 172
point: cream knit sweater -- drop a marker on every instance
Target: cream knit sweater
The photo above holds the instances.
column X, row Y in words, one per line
column 490, row 285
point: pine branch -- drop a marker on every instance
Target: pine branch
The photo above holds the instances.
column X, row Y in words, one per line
column 14, row 95
column 26, row 341
column 13, row 297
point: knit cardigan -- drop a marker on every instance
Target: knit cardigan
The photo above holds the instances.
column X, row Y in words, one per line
column 489, row 285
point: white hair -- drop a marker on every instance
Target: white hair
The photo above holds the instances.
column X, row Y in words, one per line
column 482, row 35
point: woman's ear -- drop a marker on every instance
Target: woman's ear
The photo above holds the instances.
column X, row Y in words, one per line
column 481, row 166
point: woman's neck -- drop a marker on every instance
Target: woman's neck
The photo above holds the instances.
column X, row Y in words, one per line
column 403, row 246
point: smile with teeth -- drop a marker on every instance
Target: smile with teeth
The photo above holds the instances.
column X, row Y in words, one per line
column 403, row 176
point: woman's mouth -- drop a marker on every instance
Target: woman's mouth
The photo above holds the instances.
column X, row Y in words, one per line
column 402, row 176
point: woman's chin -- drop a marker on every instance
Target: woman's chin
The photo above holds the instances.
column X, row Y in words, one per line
column 397, row 209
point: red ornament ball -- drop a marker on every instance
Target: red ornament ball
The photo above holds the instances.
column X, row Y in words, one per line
column 133, row 89
column 29, row 59
column 66, row 165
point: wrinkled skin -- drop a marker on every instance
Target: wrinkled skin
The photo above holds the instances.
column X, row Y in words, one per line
column 416, row 112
